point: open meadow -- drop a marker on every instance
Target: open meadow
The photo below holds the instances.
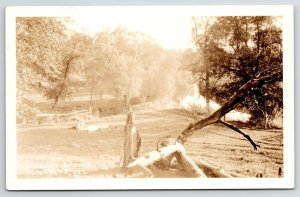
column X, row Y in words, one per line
column 61, row 151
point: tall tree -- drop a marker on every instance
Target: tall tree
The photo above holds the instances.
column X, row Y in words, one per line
column 246, row 47
column 201, row 39
column 39, row 44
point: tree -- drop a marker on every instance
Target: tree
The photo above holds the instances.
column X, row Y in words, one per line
column 96, row 63
column 39, row 59
column 122, row 63
column 76, row 52
column 201, row 39
column 49, row 61
column 241, row 48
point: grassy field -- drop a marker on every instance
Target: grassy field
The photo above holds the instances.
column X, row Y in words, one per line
column 60, row 151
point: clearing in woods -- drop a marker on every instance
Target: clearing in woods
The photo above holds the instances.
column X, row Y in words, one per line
column 62, row 152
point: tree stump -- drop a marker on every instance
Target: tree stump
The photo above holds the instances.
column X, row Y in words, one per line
column 132, row 142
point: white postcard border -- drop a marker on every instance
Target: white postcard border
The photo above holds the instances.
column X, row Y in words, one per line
column 13, row 183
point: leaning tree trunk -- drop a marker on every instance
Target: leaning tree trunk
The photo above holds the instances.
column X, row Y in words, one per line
column 66, row 63
column 228, row 106
column 166, row 154
column 91, row 95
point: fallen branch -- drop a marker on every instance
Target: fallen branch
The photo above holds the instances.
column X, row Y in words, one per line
column 229, row 105
column 212, row 171
column 165, row 155
column 240, row 132
column 189, row 166
column 154, row 156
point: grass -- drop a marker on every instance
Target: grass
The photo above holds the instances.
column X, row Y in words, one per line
column 64, row 152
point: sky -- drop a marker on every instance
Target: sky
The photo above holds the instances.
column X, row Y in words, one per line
column 170, row 28
column 169, row 31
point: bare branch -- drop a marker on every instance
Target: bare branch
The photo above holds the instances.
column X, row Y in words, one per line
column 240, row 132
column 229, row 105
column 196, row 33
column 198, row 79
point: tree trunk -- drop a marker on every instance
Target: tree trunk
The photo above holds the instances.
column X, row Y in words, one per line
column 203, row 51
column 212, row 171
column 66, row 63
column 177, row 151
column 188, row 165
column 207, row 95
column 133, row 141
column 91, row 95
column 229, row 105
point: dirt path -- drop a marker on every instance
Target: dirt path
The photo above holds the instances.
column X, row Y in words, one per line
column 64, row 152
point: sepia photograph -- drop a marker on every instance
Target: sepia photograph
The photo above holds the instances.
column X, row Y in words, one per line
column 157, row 97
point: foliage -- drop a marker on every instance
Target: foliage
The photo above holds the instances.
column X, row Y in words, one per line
column 53, row 63
column 130, row 64
column 239, row 48
column 37, row 40
column 48, row 61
